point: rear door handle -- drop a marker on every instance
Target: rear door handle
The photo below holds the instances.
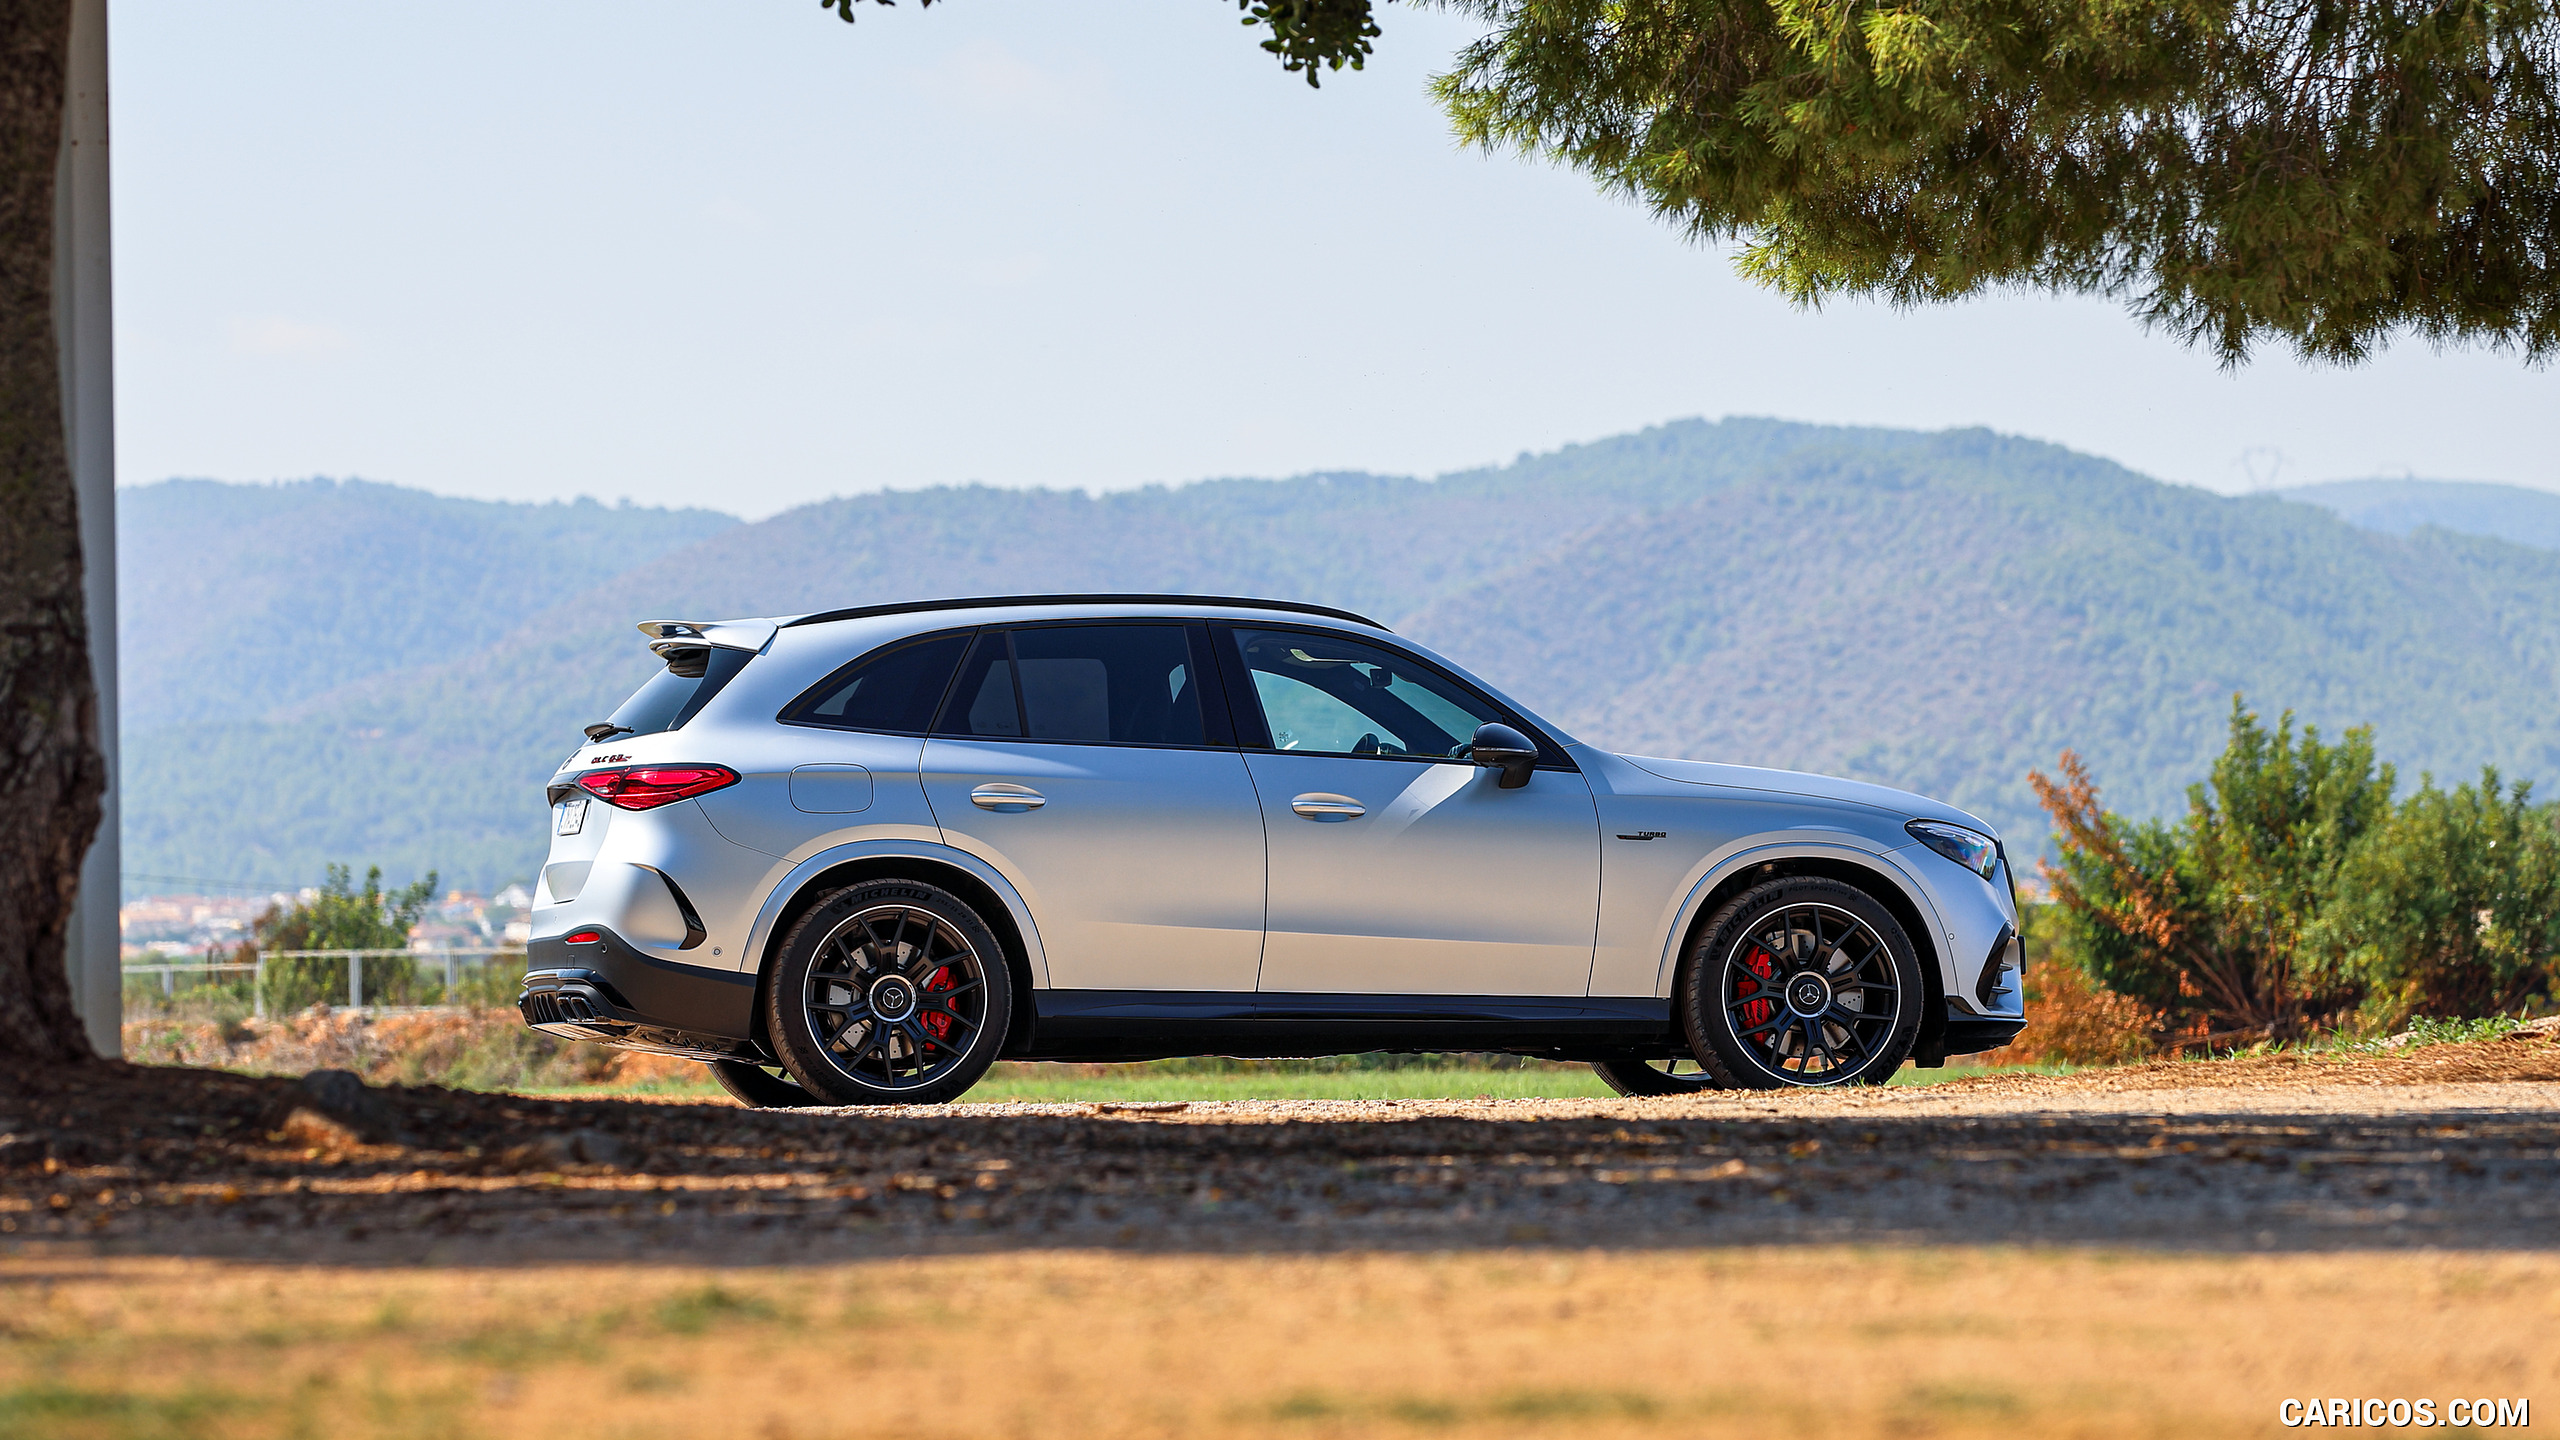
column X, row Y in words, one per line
column 1009, row 799
column 1318, row 805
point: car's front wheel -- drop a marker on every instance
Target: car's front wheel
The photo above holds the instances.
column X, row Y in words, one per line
column 1802, row 981
column 890, row 992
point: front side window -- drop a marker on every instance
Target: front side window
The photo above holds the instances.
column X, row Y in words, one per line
column 1328, row 695
column 894, row 689
column 1094, row 684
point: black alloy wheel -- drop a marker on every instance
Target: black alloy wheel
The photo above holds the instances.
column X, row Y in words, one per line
column 1802, row 982
column 761, row 1087
column 890, row 992
column 1679, row 1075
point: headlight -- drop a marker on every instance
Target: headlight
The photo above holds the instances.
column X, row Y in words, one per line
column 1971, row 849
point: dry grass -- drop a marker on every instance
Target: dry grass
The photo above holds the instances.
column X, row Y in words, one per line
column 1830, row 1342
column 2208, row 1239
column 474, row 1049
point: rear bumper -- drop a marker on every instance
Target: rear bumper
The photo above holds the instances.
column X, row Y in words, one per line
column 610, row 993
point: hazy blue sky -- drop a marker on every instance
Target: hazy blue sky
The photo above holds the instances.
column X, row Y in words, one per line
column 743, row 255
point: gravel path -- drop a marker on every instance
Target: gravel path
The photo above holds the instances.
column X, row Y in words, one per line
column 2455, row 1146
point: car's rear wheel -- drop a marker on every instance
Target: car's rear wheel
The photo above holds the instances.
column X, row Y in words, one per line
column 1679, row 1075
column 891, row 992
column 1802, row 981
column 760, row 1087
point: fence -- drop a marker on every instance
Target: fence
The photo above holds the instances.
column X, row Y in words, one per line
column 293, row 974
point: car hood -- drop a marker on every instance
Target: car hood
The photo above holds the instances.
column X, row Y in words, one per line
column 1797, row 782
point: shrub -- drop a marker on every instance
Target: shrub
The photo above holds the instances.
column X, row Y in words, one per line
column 2204, row 921
column 2077, row 1021
column 339, row 917
column 2453, row 909
column 2074, row 1020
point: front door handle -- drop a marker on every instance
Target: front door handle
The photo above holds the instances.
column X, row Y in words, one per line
column 1008, row 799
column 1318, row 805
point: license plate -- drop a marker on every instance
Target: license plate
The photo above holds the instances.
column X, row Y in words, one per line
column 573, row 817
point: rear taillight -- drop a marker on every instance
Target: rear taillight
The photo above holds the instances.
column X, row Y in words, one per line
column 646, row 787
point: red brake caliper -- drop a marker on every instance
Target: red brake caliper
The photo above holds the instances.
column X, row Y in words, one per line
column 1757, row 1012
column 935, row 1023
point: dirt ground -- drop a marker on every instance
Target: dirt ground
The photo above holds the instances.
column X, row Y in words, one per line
column 2169, row 1249
column 2452, row 1146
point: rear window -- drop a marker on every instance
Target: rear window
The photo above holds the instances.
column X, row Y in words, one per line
column 678, row 693
column 1126, row 684
column 896, row 689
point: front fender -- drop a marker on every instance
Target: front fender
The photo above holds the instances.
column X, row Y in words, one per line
column 1711, row 873
column 769, row 915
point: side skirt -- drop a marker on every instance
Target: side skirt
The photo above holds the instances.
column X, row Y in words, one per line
column 1159, row 1024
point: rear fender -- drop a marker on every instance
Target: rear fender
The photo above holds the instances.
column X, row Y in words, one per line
column 778, row 903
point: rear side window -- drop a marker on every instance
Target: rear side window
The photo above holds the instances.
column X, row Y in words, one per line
column 896, row 689
column 676, row 694
column 1091, row 684
column 983, row 703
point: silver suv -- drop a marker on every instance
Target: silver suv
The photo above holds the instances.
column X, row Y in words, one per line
column 857, row 857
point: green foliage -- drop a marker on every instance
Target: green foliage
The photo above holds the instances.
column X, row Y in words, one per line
column 2454, row 909
column 2428, row 1030
column 2323, row 173
column 339, row 917
column 2206, row 919
column 1314, row 35
column 2295, row 891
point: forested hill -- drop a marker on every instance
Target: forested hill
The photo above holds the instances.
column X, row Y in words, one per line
column 237, row 599
column 1937, row 611
column 2507, row 512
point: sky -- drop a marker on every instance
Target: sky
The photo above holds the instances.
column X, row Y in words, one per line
column 743, row 255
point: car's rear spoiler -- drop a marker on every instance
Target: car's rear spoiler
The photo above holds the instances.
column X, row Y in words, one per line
column 666, row 635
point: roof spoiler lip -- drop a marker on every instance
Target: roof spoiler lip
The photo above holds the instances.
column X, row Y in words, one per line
column 748, row 635
column 986, row 602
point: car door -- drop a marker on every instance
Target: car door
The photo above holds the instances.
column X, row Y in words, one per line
column 1089, row 764
column 1396, row 866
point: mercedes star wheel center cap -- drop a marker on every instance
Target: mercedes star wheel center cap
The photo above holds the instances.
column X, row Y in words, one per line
column 892, row 998
column 1809, row 994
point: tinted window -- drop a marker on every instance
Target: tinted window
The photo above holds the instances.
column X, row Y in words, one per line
column 678, row 693
column 1331, row 696
column 983, row 703
column 1100, row 684
column 895, row 689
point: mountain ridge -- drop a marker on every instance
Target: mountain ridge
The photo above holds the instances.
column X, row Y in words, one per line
column 1980, row 602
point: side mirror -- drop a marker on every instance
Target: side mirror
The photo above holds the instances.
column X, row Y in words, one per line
column 1499, row 747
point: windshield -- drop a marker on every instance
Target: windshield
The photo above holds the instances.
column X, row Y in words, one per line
column 678, row 693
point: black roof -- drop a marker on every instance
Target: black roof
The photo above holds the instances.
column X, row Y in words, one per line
column 989, row 602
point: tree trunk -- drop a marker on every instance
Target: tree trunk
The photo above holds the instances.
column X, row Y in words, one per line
column 51, row 772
